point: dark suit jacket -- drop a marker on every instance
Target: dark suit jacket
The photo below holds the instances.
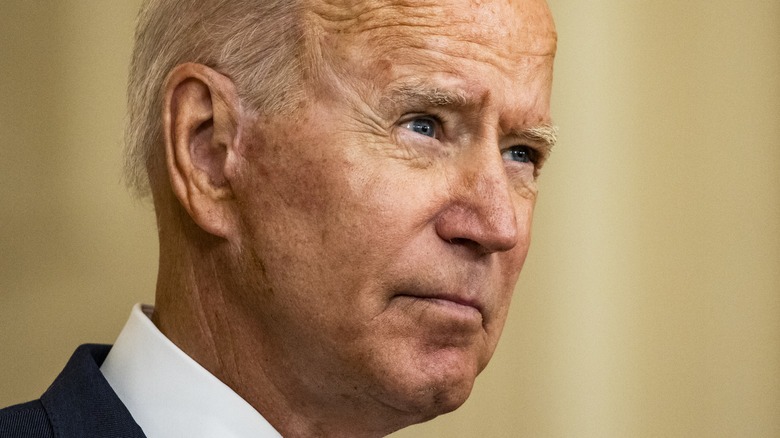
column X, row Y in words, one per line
column 79, row 404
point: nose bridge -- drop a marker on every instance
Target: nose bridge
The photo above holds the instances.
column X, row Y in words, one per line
column 486, row 204
column 493, row 197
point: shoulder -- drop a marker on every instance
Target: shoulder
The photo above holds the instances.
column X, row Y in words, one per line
column 80, row 403
column 25, row 420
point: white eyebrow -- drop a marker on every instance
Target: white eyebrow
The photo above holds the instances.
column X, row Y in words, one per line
column 546, row 134
column 428, row 96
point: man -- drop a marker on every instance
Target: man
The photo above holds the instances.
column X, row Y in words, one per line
column 344, row 193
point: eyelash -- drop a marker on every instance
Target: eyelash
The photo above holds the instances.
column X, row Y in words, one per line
column 529, row 151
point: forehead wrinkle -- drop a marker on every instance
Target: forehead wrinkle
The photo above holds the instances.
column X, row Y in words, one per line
column 357, row 16
column 446, row 48
column 370, row 35
column 370, row 18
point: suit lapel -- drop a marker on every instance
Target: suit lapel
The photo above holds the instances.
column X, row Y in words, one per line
column 81, row 403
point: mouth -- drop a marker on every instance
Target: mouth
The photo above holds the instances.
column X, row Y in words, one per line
column 450, row 306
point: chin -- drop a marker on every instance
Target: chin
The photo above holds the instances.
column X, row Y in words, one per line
column 435, row 401
column 449, row 399
column 441, row 386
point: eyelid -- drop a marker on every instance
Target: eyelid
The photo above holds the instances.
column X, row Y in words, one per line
column 408, row 117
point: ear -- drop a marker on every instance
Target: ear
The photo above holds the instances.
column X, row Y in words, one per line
column 201, row 125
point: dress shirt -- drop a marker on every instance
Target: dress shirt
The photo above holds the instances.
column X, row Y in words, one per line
column 171, row 395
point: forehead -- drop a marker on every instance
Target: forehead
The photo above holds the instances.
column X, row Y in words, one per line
column 503, row 45
column 523, row 26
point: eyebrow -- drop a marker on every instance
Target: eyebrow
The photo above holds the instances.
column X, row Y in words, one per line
column 545, row 134
column 424, row 96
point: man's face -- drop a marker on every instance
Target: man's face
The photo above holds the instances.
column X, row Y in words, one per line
column 385, row 223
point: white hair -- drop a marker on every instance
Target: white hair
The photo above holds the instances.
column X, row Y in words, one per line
column 257, row 43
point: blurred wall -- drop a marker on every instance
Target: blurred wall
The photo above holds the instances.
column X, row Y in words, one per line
column 650, row 302
column 75, row 251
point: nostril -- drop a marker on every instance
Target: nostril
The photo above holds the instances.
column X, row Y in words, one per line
column 469, row 244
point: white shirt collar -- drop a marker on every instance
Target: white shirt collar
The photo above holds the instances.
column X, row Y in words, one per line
column 171, row 395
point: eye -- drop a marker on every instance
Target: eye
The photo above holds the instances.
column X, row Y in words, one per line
column 422, row 125
column 520, row 154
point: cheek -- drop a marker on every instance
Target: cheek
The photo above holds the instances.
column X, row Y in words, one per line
column 283, row 197
column 526, row 202
column 286, row 176
column 513, row 260
column 317, row 208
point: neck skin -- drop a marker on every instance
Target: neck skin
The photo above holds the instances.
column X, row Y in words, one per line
column 195, row 308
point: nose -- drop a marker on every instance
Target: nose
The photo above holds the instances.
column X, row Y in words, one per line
column 481, row 213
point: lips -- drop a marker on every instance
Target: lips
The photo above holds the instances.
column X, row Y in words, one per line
column 461, row 301
column 458, row 305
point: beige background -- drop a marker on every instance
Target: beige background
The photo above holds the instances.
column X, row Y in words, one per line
column 650, row 303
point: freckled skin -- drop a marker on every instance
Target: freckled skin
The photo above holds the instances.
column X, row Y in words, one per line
column 352, row 224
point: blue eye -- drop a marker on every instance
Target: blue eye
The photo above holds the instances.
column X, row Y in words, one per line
column 520, row 154
column 422, row 125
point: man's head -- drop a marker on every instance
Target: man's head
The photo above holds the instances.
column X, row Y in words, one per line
column 342, row 252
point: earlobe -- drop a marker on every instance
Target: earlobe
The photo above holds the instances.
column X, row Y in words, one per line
column 201, row 124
